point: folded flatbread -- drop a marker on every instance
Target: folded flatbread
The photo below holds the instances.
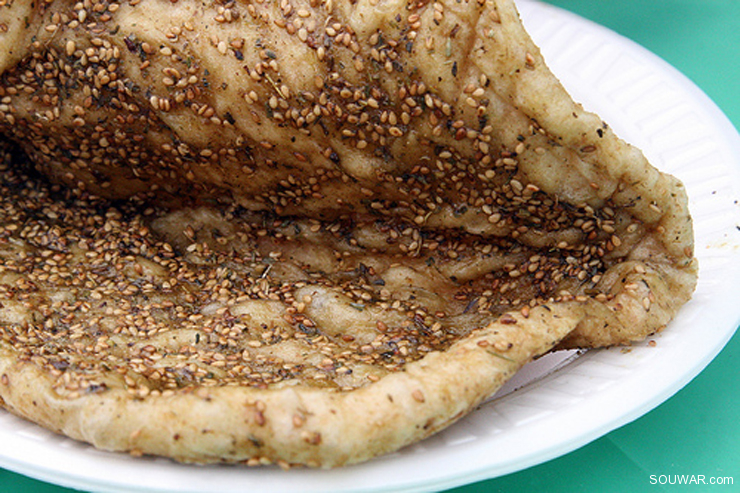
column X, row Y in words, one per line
column 305, row 232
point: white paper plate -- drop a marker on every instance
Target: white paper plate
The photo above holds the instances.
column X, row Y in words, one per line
column 564, row 401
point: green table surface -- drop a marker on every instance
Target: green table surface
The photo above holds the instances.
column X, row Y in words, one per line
column 697, row 431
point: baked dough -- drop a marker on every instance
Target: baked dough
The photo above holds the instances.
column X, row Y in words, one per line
column 305, row 232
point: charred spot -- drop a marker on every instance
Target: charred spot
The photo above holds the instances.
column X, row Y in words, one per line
column 130, row 44
column 60, row 365
column 97, row 387
column 309, row 331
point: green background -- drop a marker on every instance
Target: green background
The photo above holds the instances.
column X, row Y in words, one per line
column 697, row 431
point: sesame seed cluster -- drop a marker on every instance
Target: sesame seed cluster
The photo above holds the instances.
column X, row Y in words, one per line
column 386, row 117
column 394, row 223
column 305, row 231
column 103, row 294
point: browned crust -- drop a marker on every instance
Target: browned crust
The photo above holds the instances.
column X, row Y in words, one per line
column 583, row 163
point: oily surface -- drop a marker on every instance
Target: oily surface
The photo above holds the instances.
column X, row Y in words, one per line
column 409, row 217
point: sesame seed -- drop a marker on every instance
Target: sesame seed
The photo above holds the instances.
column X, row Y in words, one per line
column 200, row 282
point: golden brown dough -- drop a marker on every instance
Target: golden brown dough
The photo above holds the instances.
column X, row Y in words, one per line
column 327, row 205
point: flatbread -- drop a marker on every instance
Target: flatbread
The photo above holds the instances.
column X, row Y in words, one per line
column 305, row 233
